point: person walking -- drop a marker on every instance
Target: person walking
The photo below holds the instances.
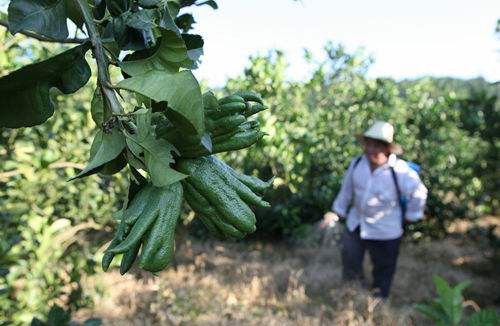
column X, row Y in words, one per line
column 379, row 194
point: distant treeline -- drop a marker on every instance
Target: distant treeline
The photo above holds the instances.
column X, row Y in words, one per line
column 449, row 126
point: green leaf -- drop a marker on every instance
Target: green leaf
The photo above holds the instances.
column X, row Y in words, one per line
column 185, row 22
column 435, row 313
column 133, row 160
column 45, row 17
column 485, row 317
column 186, row 3
column 156, row 152
column 25, row 92
column 149, row 3
column 97, row 107
column 37, row 322
column 141, row 19
column 74, row 13
column 143, row 122
column 211, row 3
column 143, row 100
column 167, row 19
column 114, row 166
column 134, row 148
column 117, row 7
column 74, row 77
column 105, row 148
column 180, row 90
column 26, row 108
column 174, row 8
column 99, row 9
column 194, row 44
column 157, row 159
column 127, row 38
column 171, row 54
column 450, row 299
column 92, row 322
column 57, row 316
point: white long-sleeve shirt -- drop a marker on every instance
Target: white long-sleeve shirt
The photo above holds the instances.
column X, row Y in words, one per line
column 375, row 206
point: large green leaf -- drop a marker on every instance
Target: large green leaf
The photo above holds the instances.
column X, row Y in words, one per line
column 105, row 148
column 24, row 108
column 45, row 17
column 25, row 92
column 181, row 90
column 171, row 54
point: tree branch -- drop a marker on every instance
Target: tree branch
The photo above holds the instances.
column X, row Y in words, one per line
column 9, row 174
column 101, row 59
column 5, row 176
column 63, row 165
column 44, row 38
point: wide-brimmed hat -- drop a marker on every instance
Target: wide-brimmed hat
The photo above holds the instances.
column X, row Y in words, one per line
column 383, row 131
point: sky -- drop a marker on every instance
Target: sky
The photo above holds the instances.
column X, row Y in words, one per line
column 407, row 39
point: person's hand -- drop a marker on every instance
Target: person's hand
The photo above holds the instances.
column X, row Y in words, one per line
column 328, row 219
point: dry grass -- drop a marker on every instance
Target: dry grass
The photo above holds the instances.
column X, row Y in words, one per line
column 217, row 283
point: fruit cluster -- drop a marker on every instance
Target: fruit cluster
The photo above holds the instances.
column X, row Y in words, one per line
column 220, row 196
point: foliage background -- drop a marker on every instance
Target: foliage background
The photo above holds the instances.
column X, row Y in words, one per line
column 448, row 126
column 51, row 229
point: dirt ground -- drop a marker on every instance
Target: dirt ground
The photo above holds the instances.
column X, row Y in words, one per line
column 227, row 283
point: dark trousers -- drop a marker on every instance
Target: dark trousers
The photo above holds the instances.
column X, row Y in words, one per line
column 383, row 254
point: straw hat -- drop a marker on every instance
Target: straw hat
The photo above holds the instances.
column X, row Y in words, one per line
column 383, row 131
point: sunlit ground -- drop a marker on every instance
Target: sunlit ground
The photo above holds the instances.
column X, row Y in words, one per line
column 217, row 283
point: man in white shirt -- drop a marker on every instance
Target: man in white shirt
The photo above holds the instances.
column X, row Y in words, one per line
column 377, row 190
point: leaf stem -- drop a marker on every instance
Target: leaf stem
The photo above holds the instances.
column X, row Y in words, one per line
column 101, row 59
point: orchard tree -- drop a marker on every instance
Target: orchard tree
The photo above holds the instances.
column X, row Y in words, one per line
column 154, row 121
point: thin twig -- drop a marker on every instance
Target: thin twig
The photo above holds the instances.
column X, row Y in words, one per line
column 62, row 165
column 44, row 38
column 4, row 176
column 470, row 303
column 101, row 59
column 9, row 174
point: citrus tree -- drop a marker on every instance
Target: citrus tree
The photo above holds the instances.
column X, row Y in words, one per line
column 154, row 120
column 445, row 125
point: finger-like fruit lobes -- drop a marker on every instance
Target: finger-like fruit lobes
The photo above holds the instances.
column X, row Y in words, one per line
column 227, row 109
column 250, row 96
column 220, row 195
column 231, row 99
column 223, row 125
column 214, row 192
column 159, row 243
column 148, row 224
column 210, row 216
